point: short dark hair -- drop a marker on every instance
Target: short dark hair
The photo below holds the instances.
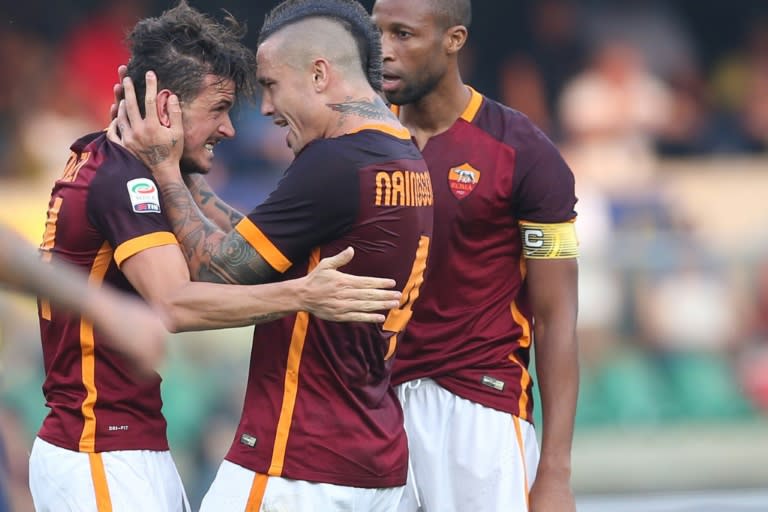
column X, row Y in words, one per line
column 453, row 12
column 348, row 13
column 182, row 45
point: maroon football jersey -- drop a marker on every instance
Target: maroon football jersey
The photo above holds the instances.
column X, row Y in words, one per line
column 471, row 327
column 104, row 209
column 319, row 405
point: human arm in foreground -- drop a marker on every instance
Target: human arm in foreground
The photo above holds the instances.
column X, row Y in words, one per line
column 553, row 290
column 130, row 326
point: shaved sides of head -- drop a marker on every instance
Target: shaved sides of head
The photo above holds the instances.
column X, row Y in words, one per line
column 350, row 15
column 450, row 13
column 330, row 40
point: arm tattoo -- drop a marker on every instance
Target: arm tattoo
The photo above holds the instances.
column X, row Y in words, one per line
column 158, row 153
column 211, row 254
column 233, row 215
column 268, row 317
column 366, row 108
column 205, row 195
column 238, row 262
column 223, row 215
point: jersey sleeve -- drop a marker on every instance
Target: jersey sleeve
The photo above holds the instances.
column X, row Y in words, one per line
column 544, row 184
column 316, row 201
column 124, row 204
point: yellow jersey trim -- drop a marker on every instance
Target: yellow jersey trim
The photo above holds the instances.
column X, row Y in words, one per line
column 263, row 245
column 135, row 245
column 400, row 133
column 473, row 107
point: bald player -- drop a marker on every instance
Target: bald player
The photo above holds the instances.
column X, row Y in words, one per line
column 503, row 281
column 321, row 427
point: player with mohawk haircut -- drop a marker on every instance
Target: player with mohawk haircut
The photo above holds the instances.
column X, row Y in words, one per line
column 103, row 446
column 350, row 13
column 321, row 427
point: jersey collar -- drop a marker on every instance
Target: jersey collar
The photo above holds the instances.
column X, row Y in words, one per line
column 475, row 100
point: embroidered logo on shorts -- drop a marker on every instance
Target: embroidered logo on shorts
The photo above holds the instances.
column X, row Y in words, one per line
column 463, row 179
column 248, row 440
column 496, row 384
column 144, row 195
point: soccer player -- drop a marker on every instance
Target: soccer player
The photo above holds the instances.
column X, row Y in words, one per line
column 504, row 274
column 321, row 427
column 129, row 325
column 103, row 445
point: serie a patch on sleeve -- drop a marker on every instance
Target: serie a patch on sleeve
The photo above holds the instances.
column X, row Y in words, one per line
column 549, row 241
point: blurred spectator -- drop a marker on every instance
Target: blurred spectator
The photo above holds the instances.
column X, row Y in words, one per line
column 694, row 127
column 24, row 58
column 690, row 308
column 90, row 54
column 658, row 32
column 759, row 324
column 691, row 319
column 754, row 360
column 531, row 78
column 654, row 27
column 522, row 87
column 753, row 370
column 76, row 97
column 47, row 130
column 612, row 113
column 740, row 83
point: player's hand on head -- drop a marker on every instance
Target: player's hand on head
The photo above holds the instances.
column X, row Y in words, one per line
column 117, row 90
column 333, row 295
column 157, row 139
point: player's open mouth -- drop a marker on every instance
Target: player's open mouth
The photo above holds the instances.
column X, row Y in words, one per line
column 282, row 123
column 209, row 146
column 390, row 81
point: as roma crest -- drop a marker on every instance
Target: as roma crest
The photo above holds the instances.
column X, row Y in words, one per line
column 463, row 180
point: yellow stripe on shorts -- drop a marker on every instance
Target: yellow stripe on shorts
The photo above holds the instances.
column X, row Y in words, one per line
column 549, row 241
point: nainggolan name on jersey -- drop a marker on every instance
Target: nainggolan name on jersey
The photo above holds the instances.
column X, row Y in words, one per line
column 403, row 188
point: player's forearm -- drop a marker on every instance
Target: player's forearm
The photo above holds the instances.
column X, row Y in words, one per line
column 18, row 263
column 220, row 213
column 202, row 306
column 553, row 285
column 558, row 378
column 198, row 237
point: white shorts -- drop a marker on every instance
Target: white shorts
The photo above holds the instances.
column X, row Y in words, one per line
column 464, row 456
column 119, row 481
column 236, row 489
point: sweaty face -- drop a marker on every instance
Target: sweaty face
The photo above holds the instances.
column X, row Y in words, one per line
column 287, row 94
column 206, row 123
column 412, row 43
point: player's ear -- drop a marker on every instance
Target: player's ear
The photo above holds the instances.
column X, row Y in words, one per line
column 320, row 74
column 455, row 38
column 162, row 107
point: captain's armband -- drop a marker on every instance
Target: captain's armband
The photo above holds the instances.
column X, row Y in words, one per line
column 549, row 241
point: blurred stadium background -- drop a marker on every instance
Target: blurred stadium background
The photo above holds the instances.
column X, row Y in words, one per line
column 661, row 109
